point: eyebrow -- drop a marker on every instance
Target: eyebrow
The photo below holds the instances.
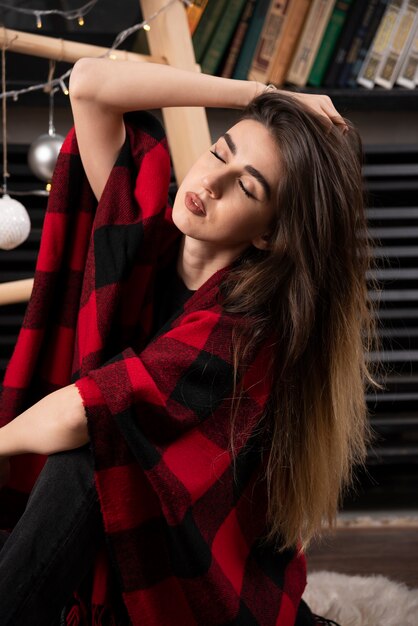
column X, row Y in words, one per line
column 249, row 168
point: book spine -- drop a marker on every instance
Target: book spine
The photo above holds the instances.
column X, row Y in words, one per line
column 206, row 27
column 250, row 42
column 292, row 29
column 379, row 45
column 272, row 27
column 367, row 42
column 222, row 36
column 310, row 40
column 194, row 13
column 329, row 42
column 355, row 46
column 408, row 74
column 238, row 39
column 334, row 68
column 390, row 66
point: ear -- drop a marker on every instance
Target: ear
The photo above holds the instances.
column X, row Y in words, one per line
column 262, row 242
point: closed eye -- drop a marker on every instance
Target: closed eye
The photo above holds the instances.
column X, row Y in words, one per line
column 247, row 193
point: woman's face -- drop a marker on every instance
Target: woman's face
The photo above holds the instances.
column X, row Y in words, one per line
column 235, row 181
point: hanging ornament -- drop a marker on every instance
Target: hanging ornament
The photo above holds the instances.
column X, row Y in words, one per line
column 14, row 223
column 43, row 155
column 14, row 219
column 43, row 152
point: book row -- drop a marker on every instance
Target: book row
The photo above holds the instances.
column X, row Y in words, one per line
column 318, row 43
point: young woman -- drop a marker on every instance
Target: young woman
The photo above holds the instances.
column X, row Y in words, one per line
column 244, row 408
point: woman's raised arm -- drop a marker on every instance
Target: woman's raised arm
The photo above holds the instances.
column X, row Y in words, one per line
column 102, row 90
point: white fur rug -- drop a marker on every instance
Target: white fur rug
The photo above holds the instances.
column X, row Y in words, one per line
column 361, row 600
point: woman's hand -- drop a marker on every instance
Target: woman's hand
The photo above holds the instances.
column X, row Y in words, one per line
column 320, row 104
column 57, row 422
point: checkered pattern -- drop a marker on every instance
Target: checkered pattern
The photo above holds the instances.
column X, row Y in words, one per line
column 183, row 534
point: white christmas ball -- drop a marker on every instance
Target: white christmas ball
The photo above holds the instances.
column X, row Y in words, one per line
column 43, row 154
column 14, row 223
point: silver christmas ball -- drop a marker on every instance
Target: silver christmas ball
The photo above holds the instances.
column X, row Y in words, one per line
column 14, row 223
column 43, row 154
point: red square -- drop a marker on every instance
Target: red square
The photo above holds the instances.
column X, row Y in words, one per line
column 197, row 462
column 88, row 335
column 143, row 384
column 126, row 497
column 52, row 244
column 195, row 328
column 230, row 550
column 25, row 351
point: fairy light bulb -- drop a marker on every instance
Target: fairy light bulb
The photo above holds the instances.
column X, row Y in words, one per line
column 64, row 87
column 48, row 187
column 80, row 20
column 38, row 21
column 147, row 27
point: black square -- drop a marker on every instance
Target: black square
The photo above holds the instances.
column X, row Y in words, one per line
column 115, row 248
column 204, row 384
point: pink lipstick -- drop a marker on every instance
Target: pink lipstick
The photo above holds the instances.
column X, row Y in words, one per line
column 194, row 203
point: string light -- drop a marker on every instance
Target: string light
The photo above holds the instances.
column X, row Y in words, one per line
column 73, row 14
column 63, row 87
column 119, row 39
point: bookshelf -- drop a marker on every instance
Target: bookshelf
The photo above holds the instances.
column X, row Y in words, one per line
column 377, row 99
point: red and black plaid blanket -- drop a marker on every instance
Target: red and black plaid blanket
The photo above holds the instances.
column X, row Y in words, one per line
column 183, row 533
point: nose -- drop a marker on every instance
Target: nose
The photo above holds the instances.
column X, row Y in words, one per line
column 214, row 183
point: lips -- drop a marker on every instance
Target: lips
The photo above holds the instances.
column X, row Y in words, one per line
column 194, row 203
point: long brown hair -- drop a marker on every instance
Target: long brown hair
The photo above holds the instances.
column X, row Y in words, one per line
column 308, row 294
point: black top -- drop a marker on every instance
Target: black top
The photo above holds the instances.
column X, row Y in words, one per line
column 171, row 295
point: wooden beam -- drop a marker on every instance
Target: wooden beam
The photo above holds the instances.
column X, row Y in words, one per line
column 63, row 49
column 16, row 291
column 187, row 128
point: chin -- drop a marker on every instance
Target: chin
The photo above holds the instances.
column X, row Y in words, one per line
column 180, row 221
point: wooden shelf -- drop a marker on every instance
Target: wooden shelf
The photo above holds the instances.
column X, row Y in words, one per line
column 377, row 99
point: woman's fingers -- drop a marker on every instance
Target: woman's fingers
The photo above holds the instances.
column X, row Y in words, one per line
column 323, row 106
column 332, row 113
column 319, row 103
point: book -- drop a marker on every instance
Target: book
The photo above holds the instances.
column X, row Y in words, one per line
column 288, row 40
column 264, row 52
column 371, row 30
column 396, row 52
column 329, row 42
column 408, row 74
column 309, row 42
column 194, row 13
column 222, row 36
column 206, row 27
column 249, row 45
column 381, row 41
column 237, row 40
column 332, row 73
column 356, row 43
